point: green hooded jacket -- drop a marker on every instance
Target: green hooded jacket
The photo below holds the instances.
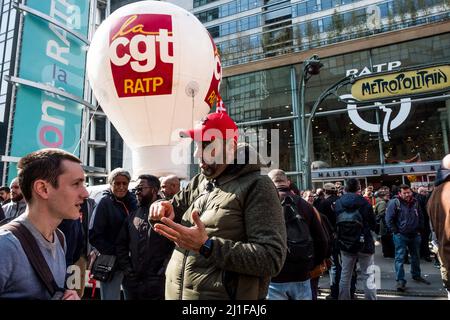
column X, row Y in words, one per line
column 243, row 215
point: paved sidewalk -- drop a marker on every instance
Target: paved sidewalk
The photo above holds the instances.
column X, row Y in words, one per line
column 387, row 288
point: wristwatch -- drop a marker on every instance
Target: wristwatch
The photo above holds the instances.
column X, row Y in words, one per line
column 206, row 248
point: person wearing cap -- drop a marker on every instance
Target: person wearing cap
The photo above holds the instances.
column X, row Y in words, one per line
column 327, row 205
column 227, row 223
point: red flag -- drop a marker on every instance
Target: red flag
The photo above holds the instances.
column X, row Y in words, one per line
column 220, row 107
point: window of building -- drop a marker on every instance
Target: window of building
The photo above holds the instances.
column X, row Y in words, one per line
column 198, row 3
column 274, row 142
column 214, row 31
column 302, row 9
column 338, row 142
column 326, row 4
column 311, row 6
column 327, row 24
column 254, row 21
column 209, row 15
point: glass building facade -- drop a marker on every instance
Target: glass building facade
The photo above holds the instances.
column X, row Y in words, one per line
column 8, row 23
column 251, row 30
column 337, row 142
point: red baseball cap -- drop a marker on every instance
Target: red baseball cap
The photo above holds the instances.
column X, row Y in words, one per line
column 213, row 126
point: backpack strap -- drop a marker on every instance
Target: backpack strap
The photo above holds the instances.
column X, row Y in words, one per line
column 397, row 204
column 34, row 254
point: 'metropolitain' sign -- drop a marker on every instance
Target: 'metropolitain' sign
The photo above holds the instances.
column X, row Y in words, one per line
column 399, row 84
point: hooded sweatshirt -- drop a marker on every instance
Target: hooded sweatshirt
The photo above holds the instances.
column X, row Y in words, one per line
column 243, row 216
column 351, row 202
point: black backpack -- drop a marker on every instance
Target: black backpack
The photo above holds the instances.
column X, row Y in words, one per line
column 349, row 225
column 300, row 245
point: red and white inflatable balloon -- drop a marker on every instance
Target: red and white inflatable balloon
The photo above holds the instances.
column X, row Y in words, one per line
column 154, row 69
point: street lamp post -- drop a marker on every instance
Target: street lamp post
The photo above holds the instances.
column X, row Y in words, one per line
column 311, row 67
column 333, row 89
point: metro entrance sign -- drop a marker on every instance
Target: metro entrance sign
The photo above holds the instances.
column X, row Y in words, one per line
column 417, row 81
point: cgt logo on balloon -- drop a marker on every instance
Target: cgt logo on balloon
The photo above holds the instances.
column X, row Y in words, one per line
column 213, row 92
column 141, row 54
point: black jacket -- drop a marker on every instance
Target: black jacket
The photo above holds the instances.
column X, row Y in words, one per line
column 108, row 218
column 422, row 202
column 87, row 211
column 326, row 207
column 352, row 201
column 141, row 252
column 318, row 234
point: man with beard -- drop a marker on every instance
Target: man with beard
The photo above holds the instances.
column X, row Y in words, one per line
column 227, row 223
column 405, row 220
column 142, row 253
column 5, row 195
column 17, row 205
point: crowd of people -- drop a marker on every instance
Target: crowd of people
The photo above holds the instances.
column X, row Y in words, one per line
column 396, row 218
column 230, row 233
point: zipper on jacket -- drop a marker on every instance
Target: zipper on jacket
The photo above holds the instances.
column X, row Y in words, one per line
column 208, row 189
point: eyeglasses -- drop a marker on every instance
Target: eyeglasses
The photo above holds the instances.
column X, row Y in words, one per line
column 139, row 189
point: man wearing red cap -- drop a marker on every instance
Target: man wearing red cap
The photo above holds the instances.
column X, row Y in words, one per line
column 227, row 223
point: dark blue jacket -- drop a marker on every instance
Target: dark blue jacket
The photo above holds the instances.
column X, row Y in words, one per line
column 352, row 202
column 402, row 217
column 73, row 232
column 108, row 218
